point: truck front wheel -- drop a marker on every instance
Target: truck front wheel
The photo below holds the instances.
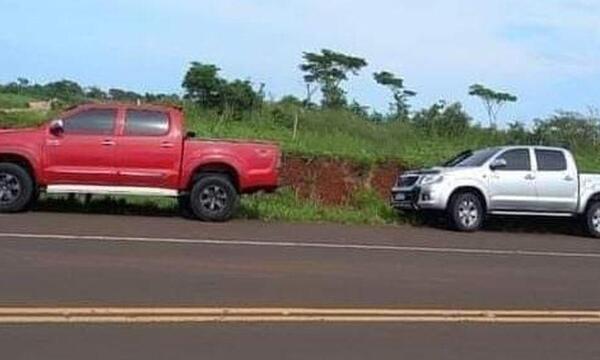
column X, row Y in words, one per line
column 16, row 188
column 465, row 212
column 214, row 198
column 592, row 219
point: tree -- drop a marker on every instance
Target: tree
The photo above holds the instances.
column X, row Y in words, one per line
column 203, row 85
column 566, row 127
column 123, row 95
column 23, row 84
column 492, row 100
column 401, row 95
column 329, row 69
column 442, row 119
column 239, row 95
column 64, row 89
column 168, row 99
column 96, row 93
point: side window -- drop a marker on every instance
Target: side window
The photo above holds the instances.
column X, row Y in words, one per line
column 550, row 160
column 91, row 122
column 146, row 123
column 516, row 160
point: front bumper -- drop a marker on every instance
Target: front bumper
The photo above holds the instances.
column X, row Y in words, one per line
column 406, row 199
column 417, row 198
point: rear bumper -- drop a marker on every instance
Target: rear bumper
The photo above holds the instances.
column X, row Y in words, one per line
column 261, row 181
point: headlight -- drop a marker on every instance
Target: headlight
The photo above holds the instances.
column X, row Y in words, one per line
column 432, row 179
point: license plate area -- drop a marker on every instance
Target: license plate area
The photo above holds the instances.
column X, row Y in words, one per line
column 400, row 197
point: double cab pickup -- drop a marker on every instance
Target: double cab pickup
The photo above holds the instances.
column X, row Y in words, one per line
column 120, row 149
column 511, row 180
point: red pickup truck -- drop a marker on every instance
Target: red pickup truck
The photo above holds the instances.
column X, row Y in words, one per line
column 119, row 149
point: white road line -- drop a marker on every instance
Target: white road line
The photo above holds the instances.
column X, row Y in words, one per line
column 320, row 245
column 286, row 311
column 289, row 319
column 278, row 315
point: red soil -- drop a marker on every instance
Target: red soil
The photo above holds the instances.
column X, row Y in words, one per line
column 332, row 181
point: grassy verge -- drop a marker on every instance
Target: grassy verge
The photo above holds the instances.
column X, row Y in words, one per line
column 365, row 208
column 14, row 101
column 21, row 119
column 284, row 205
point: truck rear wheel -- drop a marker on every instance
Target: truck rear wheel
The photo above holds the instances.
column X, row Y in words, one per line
column 214, row 198
column 465, row 212
column 592, row 220
column 16, row 188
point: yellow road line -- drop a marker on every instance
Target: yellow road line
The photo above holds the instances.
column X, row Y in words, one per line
column 35, row 315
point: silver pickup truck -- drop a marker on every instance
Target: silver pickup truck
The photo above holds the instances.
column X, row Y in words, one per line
column 511, row 180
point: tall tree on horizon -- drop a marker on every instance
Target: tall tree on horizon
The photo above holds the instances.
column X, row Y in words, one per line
column 492, row 100
column 400, row 93
column 329, row 69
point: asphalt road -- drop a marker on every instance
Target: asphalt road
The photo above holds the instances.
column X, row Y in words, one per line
column 51, row 260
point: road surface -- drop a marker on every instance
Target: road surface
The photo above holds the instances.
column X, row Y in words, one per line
column 164, row 287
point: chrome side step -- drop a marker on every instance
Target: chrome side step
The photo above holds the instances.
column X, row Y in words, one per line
column 110, row 190
column 532, row 213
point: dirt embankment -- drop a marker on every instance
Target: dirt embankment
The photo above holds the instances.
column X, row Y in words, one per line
column 332, row 181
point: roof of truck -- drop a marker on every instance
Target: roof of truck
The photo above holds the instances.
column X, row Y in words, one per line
column 113, row 105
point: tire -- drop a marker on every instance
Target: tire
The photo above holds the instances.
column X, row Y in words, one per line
column 592, row 220
column 214, row 198
column 466, row 212
column 185, row 209
column 17, row 188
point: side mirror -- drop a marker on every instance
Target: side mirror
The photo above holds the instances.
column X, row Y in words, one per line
column 57, row 127
column 190, row 135
column 498, row 164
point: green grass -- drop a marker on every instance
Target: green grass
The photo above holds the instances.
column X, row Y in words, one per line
column 283, row 205
column 22, row 119
column 344, row 135
column 337, row 134
column 14, row 101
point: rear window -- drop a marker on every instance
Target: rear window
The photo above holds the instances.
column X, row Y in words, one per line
column 146, row 123
column 550, row 160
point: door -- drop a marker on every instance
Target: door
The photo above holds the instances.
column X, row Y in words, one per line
column 149, row 150
column 512, row 186
column 83, row 153
column 556, row 181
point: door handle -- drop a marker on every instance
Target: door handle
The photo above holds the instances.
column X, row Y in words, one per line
column 166, row 145
column 529, row 177
column 108, row 143
column 569, row 178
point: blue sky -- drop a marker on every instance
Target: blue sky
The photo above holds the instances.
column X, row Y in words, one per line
column 545, row 51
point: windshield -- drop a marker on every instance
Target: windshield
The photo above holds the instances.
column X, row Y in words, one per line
column 471, row 158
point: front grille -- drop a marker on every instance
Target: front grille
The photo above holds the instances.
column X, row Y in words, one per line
column 409, row 199
column 407, row 181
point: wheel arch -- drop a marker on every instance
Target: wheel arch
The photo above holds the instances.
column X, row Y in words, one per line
column 473, row 189
column 216, row 167
column 594, row 198
column 21, row 160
